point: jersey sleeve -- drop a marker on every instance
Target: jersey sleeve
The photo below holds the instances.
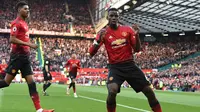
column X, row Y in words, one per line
column 67, row 64
column 79, row 64
column 0, row 69
column 95, row 46
column 14, row 29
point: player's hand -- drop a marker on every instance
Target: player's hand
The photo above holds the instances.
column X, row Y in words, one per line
column 34, row 46
column 102, row 35
column 136, row 28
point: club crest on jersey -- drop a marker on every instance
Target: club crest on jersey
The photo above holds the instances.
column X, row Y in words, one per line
column 14, row 29
column 110, row 37
column 124, row 34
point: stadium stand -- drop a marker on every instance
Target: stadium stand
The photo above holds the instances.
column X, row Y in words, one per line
column 153, row 55
column 185, row 77
column 158, row 54
column 70, row 46
column 5, row 50
column 55, row 19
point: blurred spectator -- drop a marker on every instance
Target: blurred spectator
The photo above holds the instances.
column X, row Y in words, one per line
column 159, row 54
column 184, row 78
column 5, row 53
column 49, row 15
column 67, row 47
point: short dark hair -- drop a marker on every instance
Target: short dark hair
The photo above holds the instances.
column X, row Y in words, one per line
column 112, row 9
column 20, row 4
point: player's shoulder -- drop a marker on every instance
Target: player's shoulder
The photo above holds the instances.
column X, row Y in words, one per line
column 69, row 60
column 16, row 22
column 126, row 27
column 102, row 30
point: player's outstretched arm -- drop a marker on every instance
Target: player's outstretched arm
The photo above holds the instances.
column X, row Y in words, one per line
column 135, row 40
column 97, row 43
column 138, row 43
column 15, row 40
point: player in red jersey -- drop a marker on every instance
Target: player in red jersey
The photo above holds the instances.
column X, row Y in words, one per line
column 20, row 54
column 74, row 65
column 2, row 71
column 120, row 43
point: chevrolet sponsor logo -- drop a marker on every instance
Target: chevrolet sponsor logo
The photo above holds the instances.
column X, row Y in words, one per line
column 118, row 42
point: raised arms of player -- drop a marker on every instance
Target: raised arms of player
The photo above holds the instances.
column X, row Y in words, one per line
column 97, row 43
column 135, row 40
column 14, row 32
column 138, row 43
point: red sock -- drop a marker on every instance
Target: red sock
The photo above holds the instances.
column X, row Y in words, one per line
column 157, row 108
column 74, row 88
column 36, row 101
column 111, row 108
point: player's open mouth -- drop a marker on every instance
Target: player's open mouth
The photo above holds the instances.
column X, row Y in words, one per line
column 113, row 21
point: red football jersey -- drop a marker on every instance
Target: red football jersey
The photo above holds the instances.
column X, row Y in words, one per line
column 2, row 68
column 73, row 64
column 119, row 44
column 19, row 28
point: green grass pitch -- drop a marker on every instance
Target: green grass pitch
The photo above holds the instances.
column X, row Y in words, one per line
column 92, row 99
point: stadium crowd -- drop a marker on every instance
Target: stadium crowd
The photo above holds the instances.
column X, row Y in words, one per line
column 50, row 15
column 183, row 78
column 61, row 49
column 158, row 54
column 82, row 24
column 154, row 54
column 5, row 52
column 4, row 49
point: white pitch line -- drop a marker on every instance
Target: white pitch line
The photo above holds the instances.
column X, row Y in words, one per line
column 141, row 110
